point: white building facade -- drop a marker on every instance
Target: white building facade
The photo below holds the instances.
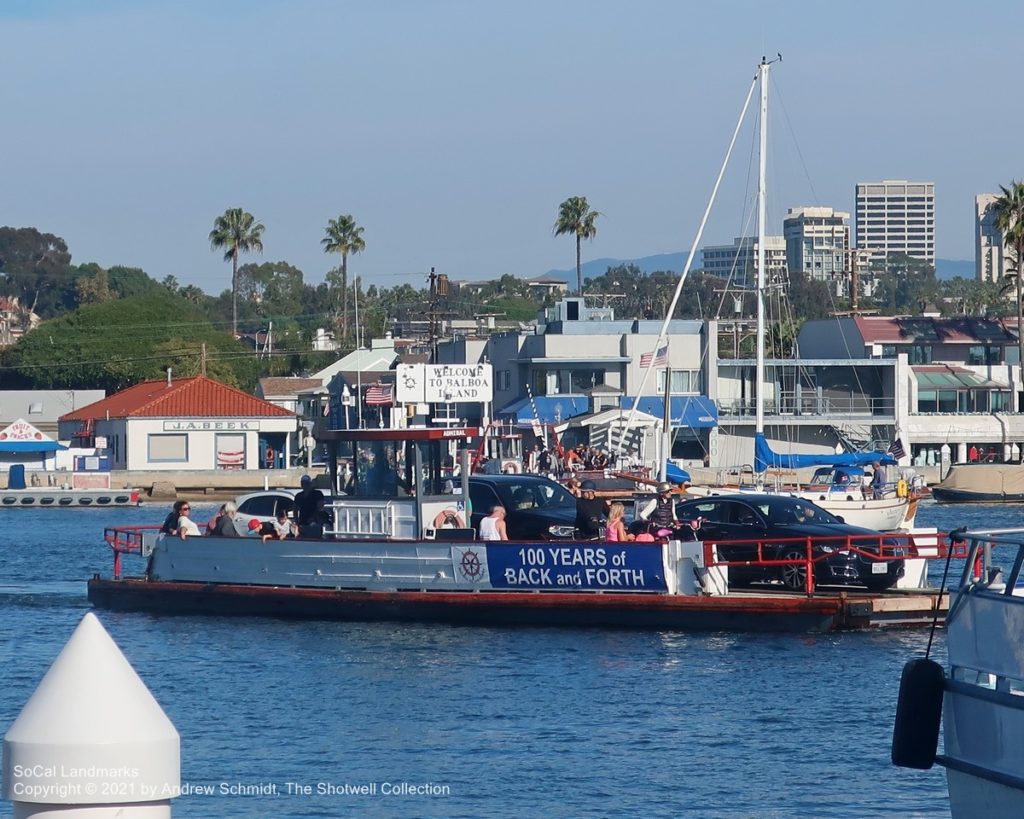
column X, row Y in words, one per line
column 990, row 256
column 817, row 242
column 897, row 217
column 738, row 262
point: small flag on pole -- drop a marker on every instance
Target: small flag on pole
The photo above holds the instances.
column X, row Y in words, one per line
column 896, row 449
column 378, row 395
column 327, row 407
column 660, row 357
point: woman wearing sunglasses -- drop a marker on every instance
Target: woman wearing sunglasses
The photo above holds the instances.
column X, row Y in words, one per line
column 186, row 526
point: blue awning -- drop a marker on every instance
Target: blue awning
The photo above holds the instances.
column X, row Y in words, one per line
column 694, row 411
column 30, row 446
column 550, row 409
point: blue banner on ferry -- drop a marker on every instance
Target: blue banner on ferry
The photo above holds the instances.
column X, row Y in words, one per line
column 561, row 567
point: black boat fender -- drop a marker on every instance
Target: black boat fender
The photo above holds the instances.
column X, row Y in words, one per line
column 915, row 736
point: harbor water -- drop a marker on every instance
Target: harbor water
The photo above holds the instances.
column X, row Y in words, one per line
column 308, row 719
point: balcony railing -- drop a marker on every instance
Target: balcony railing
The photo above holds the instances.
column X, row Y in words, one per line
column 791, row 405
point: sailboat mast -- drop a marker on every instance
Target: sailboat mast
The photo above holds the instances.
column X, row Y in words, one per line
column 762, row 162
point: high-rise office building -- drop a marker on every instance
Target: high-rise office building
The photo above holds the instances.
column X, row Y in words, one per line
column 739, row 260
column 896, row 216
column 817, row 241
column 990, row 257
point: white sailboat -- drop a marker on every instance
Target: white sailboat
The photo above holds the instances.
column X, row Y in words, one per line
column 882, row 514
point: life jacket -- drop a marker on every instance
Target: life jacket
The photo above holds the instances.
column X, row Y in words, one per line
column 664, row 513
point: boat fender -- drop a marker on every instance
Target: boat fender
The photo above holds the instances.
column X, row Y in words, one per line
column 849, row 497
column 902, row 488
column 449, row 519
column 915, row 736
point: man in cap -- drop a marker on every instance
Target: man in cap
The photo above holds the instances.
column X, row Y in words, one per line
column 590, row 512
column 309, row 509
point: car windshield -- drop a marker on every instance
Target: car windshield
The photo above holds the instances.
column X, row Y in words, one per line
column 525, row 495
column 794, row 511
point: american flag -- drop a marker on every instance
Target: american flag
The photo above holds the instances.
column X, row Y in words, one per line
column 327, row 408
column 378, row 395
column 896, row 449
column 660, row 357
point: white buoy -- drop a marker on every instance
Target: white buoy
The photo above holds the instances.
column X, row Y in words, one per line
column 91, row 742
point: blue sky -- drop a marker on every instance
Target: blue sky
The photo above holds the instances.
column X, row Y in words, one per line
column 452, row 130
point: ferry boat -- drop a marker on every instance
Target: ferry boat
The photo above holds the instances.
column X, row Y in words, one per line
column 980, row 701
column 385, row 556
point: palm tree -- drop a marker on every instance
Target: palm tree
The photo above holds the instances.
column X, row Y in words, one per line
column 1009, row 218
column 576, row 217
column 344, row 237
column 238, row 232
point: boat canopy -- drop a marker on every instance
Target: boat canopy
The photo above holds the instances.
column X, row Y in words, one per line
column 765, row 458
column 673, row 474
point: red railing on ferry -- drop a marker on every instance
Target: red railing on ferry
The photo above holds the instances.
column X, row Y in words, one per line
column 126, row 540
column 879, row 547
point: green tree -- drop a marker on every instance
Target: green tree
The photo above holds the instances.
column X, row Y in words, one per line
column 86, row 348
column 576, row 217
column 34, row 267
column 1009, row 217
column 236, row 231
column 344, row 236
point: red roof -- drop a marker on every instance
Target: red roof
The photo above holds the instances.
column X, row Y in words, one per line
column 198, row 397
column 924, row 329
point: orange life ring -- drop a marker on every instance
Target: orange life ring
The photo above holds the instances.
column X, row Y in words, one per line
column 511, row 468
column 449, row 516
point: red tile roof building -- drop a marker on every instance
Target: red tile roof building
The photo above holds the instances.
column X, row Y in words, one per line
column 191, row 423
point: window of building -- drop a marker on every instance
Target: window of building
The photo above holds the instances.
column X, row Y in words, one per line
column 503, row 380
column 167, row 448
column 980, row 355
column 684, row 382
column 919, row 354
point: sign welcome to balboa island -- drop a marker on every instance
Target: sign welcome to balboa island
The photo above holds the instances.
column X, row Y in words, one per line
column 444, row 383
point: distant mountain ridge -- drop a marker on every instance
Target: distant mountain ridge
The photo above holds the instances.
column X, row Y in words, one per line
column 944, row 268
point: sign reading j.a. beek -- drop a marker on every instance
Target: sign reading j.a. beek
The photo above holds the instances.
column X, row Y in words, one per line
column 445, row 383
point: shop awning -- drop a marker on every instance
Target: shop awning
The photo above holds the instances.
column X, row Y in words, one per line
column 30, row 446
column 694, row 411
column 547, row 409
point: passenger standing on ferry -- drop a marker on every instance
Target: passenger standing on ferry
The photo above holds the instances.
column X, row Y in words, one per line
column 492, row 527
column 309, row 509
column 186, row 526
column 590, row 512
column 170, row 526
column 661, row 511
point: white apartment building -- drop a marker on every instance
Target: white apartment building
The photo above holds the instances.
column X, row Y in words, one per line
column 817, row 241
column 738, row 261
column 990, row 256
column 897, row 216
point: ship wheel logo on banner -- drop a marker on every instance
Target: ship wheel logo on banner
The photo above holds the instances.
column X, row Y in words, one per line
column 470, row 564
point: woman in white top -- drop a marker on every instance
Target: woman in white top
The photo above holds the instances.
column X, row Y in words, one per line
column 186, row 526
column 493, row 526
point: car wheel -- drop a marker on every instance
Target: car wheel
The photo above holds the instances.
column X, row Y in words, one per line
column 794, row 575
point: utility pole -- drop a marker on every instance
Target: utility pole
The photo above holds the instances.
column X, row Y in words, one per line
column 431, row 315
column 438, row 289
column 202, row 360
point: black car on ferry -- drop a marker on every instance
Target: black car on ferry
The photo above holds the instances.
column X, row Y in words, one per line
column 781, row 526
column 536, row 508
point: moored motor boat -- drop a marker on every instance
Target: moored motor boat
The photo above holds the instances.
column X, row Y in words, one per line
column 980, row 700
column 56, row 498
